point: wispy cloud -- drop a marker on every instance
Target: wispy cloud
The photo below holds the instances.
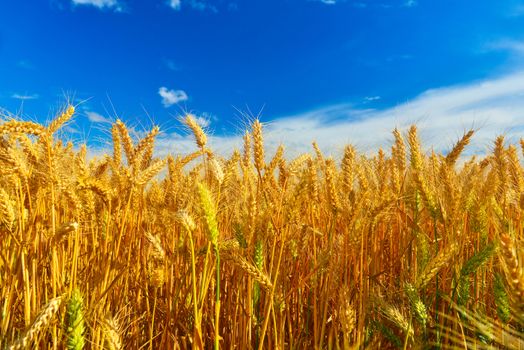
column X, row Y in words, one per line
column 492, row 106
column 512, row 45
column 410, row 3
column 174, row 4
column 171, row 97
column 199, row 5
column 25, row 96
column 101, row 4
column 96, row 117
column 202, row 6
column 364, row 4
column 371, row 98
column 70, row 130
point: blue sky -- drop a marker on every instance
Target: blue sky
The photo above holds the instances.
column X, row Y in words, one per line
column 333, row 70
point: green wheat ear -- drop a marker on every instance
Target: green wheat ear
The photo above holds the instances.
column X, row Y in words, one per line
column 417, row 305
column 210, row 214
column 476, row 261
column 501, row 299
column 75, row 322
column 469, row 268
column 463, row 287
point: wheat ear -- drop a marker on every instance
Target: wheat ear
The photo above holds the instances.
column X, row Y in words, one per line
column 40, row 322
column 14, row 126
column 258, row 146
column 200, row 135
column 513, row 268
column 434, row 266
column 75, row 322
column 61, row 119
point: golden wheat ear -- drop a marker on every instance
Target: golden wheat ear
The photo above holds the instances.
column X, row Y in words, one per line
column 455, row 153
column 112, row 331
column 250, row 269
column 7, row 210
column 39, row 324
column 435, row 265
column 127, row 141
column 60, row 121
column 200, row 135
column 144, row 149
column 14, row 126
column 512, row 269
column 258, row 146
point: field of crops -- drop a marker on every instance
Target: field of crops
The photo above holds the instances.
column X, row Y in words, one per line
column 401, row 249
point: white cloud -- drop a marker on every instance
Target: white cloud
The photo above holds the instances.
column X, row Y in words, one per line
column 512, row 45
column 378, row 4
column 493, row 107
column 329, row 2
column 96, row 117
column 174, row 4
column 194, row 4
column 101, row 4
column 70, row 130
column 171, row 97
column 24, row 96
column 371, row 98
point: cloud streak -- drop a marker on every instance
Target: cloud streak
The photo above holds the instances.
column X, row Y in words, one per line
column 512, row 45
column 202, row 6
column 101, row 4
column 371, row 98
column 97, row 118
column 410, row 3
column 492, row 106
column 194, row 4
column 25, row 96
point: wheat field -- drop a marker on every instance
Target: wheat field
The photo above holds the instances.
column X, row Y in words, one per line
column 404, row 249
